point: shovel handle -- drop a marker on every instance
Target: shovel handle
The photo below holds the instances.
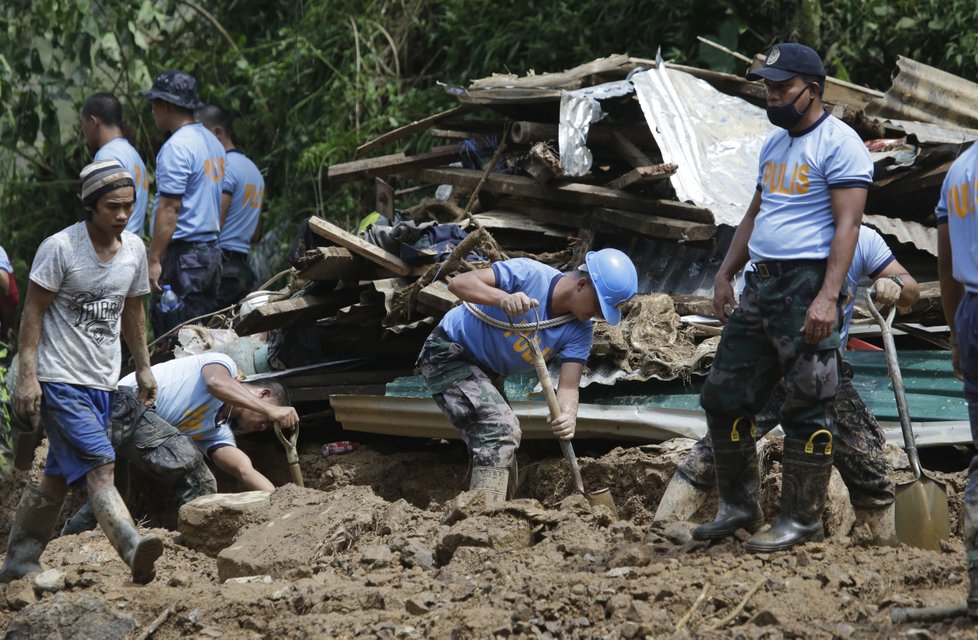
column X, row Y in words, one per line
column 548, row 392
column 291, row 453
column 899, row 392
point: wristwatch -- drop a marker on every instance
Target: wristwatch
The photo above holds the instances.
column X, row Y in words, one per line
column 898, row 280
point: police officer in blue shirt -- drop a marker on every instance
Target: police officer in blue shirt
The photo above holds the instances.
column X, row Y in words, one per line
column 957, row 237
column 183, row 251
column 101, row 121
column 800, row 231
column 241, row 202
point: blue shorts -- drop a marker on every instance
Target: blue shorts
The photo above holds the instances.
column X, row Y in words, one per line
column 75, row 419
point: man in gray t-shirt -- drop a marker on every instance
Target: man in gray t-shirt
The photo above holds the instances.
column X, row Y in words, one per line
column 87, row 284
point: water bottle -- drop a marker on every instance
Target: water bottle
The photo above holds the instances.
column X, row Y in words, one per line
column 169, row 300
column 337, row 448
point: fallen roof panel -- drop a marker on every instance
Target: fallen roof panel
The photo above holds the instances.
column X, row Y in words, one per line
column 927, row 94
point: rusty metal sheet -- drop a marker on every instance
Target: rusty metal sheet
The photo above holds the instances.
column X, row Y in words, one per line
column 927, row 94
column 905, row 231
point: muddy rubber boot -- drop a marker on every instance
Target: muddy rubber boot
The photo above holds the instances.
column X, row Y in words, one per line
column 973, row 586
column 881, row 524
column 681, row 500
column 514, row 479
column 140, row 553
column 493, row 481
column 32, row 528
column 804, row 492
column 738, row 481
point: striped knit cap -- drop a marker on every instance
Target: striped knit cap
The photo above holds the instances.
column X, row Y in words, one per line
column 99, row 178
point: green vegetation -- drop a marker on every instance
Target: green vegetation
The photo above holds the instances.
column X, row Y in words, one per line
column 309, row 80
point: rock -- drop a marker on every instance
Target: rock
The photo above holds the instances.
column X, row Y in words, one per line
column 180, row 579
column 765, row 618
column 801, row 558
column 839, row 517
column 625, row 530
column 377, row 555
column 576, row 537
column 630, row 630
column 414, row 552
column 677, row 532
column 249, row 580
column 618, row 605
column 50, row 581
column 632, row 555
column 20, row 593
column 210, row 523
column 499, row 533
column 71, row 617
column 419, row 604
column 844, row 631
column 300, row 534
column 640, row 611
column 464, row 505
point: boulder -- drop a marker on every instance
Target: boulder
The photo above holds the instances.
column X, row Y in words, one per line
column 70, row 617
column 211, row 523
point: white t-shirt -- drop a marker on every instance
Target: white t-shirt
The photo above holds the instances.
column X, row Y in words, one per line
column 80, row 330
column 182, row 398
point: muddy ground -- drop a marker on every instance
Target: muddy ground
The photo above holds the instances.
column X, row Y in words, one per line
column 379, row 545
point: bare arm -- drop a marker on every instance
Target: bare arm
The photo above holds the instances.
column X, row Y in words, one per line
column 222, row 386
column 737, row 256
column 847, row 211
column 163, row 228
column 225, row 205
column 951, row 290
column 4, row 283
column 256, row 236
column 134, row 333
column 27, row 395
column 568, row 394
column 236, row 462
column 479, row 287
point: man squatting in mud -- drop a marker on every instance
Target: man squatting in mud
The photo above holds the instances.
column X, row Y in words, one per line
column 957, row 260
column 465, row 358
column 85, row 282
column 800, row 231
column 859, row 448
column 199, row 408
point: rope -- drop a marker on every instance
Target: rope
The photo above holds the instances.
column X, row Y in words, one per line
column 522, row 326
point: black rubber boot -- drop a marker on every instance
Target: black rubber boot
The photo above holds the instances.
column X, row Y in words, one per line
column 33, row 527
column 738, row 481
column 804, row 491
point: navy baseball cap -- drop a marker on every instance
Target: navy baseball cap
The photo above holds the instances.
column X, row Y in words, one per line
column 175, row 87
column 788, row 60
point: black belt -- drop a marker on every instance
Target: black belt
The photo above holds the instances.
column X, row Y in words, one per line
column 774, row 268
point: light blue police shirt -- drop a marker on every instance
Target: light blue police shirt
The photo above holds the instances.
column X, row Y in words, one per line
column 246, row 186
column 190, row 166
column 956, row 208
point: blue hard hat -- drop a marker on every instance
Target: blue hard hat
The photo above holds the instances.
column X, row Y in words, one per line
column 614, row 278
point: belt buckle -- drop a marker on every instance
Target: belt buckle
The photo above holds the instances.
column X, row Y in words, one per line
column 763, row 270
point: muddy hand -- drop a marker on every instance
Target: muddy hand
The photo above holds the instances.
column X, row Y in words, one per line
column 819, row 320
column 564, row 426
column 724, row 302
column 286, row 417
column 27, row 397
column 146, row 385
column 516, row 304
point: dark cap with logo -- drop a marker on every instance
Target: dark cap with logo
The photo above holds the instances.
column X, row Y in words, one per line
column 788, row 60
column 175, row 87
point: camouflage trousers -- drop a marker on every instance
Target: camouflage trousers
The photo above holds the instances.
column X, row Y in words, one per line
column 471, row 401
column 858, row 448
column 193, row 271
column 144, row 441
column 966, row 322
column 237, row 278
column 762, row 343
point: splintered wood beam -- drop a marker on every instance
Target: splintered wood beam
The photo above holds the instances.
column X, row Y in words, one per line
column 329, row 263
column 361, row 247
column 568, row 193
column 655, row 226
column 629, row 152
column 643, row 175
column 392, row 164
column 437, row 296
column 409, row 129
column 294, row 311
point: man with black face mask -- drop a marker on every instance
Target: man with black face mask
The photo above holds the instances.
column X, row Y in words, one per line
column 800, row 231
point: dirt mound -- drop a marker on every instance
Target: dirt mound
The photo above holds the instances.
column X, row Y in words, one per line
column 388, row 550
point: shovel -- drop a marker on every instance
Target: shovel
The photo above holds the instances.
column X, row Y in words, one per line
column 291, row 453
column 922, row 518
column 594, row 498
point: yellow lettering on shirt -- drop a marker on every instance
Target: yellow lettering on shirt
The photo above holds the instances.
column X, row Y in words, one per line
column 214, row 169
column 253, row 196
column 782, row 181
column 193, row 419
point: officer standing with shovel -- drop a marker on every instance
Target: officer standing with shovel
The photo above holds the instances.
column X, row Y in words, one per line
column 464, row 356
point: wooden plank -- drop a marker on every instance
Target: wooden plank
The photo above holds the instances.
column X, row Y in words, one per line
column 513, row 221
column 687, row 305
column 644, row 175
column 572, row 193
column 437, row 296
column 569, row 219
column 409, row 129
column 393, row 164
column 329, row 264
column 655, row 226
column 294, row 311
column 569, row 79
column 383, row 198
column 629, row 152
column 361, row 247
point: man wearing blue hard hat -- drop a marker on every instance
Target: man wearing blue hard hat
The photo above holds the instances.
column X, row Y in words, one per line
column 472, row 348
column 800, row 231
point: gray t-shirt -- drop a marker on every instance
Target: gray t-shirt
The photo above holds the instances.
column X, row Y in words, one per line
column 80, row 339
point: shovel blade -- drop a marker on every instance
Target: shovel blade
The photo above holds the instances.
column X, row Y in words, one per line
column 922, row 518
column 602, row 497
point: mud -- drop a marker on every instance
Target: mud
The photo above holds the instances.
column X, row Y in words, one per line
column 381, row 545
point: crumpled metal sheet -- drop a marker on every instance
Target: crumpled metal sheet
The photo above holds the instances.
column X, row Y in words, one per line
column 578, row 110
column 905, row 231
column 927, row 94
column 715, row 139
column 927, row 133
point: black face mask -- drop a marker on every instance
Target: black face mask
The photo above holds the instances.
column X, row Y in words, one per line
column 787, row 116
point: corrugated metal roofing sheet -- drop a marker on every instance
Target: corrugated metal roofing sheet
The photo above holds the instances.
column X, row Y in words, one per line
column 925, row 93
column 907, row 232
